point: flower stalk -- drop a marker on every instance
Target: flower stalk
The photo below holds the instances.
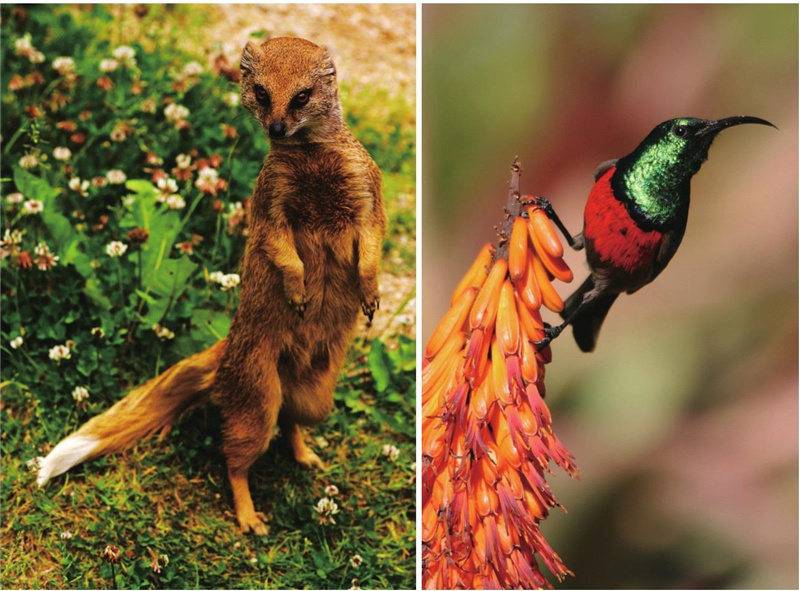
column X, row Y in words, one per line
column 487, row 433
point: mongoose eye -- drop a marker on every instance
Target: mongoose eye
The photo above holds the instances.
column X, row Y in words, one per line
column 301, row 98
column 261, row 94
column 680, row 131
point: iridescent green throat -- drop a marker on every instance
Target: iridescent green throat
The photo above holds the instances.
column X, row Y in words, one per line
column 653, row 181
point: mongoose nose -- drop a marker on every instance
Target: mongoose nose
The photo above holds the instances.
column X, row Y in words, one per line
column 277, row 130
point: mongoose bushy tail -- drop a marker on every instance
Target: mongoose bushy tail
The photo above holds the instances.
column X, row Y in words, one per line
column 151, row 407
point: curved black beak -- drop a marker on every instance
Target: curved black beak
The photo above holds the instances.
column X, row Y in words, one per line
column 714, row 127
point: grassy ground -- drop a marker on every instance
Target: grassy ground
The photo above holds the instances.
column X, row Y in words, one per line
column 166, row 504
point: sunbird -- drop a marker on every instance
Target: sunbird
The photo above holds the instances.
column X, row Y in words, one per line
column 635, row 218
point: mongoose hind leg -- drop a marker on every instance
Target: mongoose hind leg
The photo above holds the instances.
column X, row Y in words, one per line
column 249, row 424
column 303, row 454
column 308, row 400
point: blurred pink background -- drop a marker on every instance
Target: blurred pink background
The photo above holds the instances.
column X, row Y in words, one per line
column 684, row 420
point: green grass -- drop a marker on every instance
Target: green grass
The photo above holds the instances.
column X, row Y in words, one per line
column 171, row 497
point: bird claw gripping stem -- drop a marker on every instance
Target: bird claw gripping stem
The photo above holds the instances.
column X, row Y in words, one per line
column 550, row 333
column 487, row 434
column 543, row 204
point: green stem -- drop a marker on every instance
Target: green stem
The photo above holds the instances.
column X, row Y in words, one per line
column 217, row 239
column 192, row 207
column 24, row 353
column 158, row 360
column 139, row 267
column 119, row 279
column 15, row 137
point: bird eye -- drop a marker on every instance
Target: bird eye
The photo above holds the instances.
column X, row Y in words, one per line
column 261, row 93
column 680, row 131
column 301, row 98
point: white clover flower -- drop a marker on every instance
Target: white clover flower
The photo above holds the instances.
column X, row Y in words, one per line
column 183, row 160
column 98, row 332
column 62, row 153
column 148, row 106
column 125, row 55
column 207, row 178
column 391, row 452
column 216, row 277
column 65, row 535
column 82, row 187
column 34, row 463
column 80, row 393
column 28, row 161
column 175, row 202
column 129, row 201
column 13, row 237
column 163, row 333
column 168, row 184
column 356, row 561
column 116, row 177
column 175, row 112
column 32, row 207
column 116, row 249
column 16, row 343
column 23, row 45
column 229, row 281
column 118, row 135
column 15, row 198
column 36, row 57
column 108, row 65
column 41, row 249
column 355, row 585
column 326, row 508
column 192, row 69
column 60, row 352
column 45, row 260
column 231, row 99
column 331, row 490
column 64, row 65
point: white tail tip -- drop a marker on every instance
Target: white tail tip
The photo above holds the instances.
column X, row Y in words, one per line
column 70, row 452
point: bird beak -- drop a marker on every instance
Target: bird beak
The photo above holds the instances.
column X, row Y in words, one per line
column 714, row 127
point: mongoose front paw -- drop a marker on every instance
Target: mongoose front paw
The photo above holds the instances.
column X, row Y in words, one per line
column 298, row 305
column 295, row 290
column 370, row 306
column 253, row 522
column 309, row 459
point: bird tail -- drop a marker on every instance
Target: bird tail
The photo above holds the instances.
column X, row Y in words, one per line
column 151, row 407
column 589, row 318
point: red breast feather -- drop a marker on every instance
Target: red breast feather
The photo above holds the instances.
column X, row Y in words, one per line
column 616, row 238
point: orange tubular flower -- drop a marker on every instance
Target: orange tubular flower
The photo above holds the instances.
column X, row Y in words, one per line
column 487, row 437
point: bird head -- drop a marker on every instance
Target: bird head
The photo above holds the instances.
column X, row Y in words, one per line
column 679, row 147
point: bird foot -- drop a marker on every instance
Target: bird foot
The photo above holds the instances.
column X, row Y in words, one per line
column 542, row 203
column 550, row 333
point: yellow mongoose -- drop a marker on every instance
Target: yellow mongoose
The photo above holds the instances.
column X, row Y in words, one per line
column 316, row 227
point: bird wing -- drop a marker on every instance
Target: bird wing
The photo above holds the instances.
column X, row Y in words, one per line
column 669, row 245
column 603, row 167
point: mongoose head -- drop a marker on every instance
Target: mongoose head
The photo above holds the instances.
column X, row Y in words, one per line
column 289, row 85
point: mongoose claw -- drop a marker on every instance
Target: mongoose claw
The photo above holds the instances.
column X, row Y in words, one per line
column 369, row 308
column 298, row 307
column 308, row 459
column 254, row 523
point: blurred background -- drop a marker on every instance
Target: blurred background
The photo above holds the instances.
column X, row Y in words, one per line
column 684, row 420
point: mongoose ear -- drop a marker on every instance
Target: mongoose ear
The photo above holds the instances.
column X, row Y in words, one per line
column 328, row 65
column 250, row 55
